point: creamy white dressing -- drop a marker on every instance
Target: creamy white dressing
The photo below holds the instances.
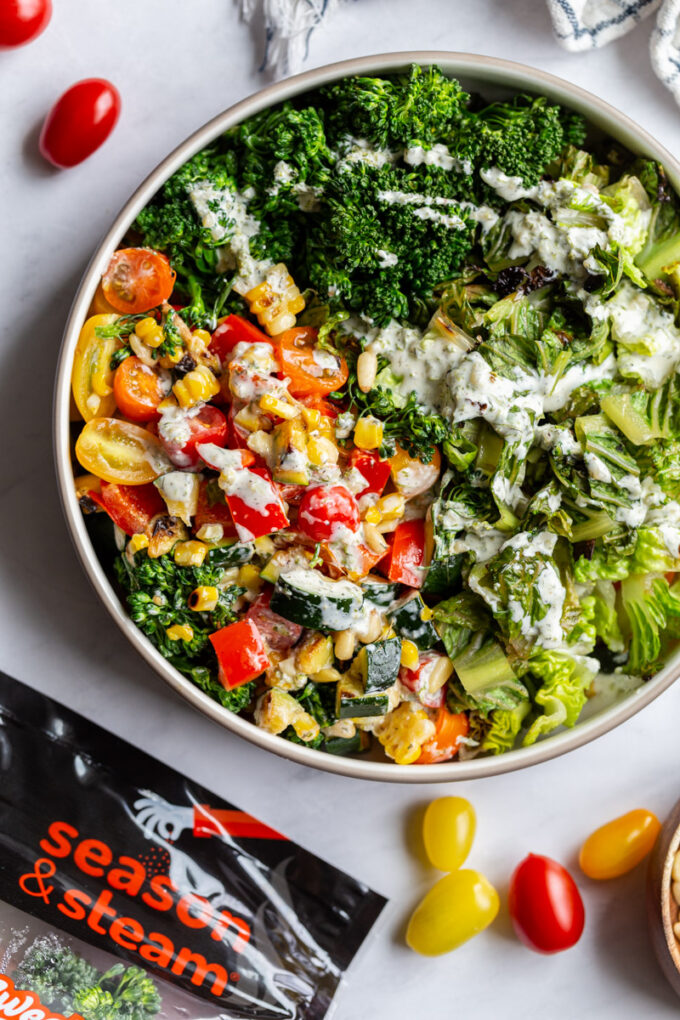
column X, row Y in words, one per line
column 510, row 189
column 225, row 214
column 438, row 155
column 649, row 340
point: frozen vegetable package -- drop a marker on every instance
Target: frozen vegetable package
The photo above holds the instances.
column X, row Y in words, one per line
column 128, row 892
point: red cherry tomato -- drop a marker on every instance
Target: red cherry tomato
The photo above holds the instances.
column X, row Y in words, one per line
column 375, row 471
column 235, row 330
column 326, row 507
column 137, row 390
column 545, row 905
column 208, row 426
column 312, row 373
column 79, row 122
column 278, row 634
column 22, row 21
column 137, row 279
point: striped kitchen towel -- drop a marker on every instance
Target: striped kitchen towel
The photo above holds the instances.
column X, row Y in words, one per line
column 584, row 24
column 578, row 24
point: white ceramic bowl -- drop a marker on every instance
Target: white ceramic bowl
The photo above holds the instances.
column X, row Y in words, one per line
column 494, row 78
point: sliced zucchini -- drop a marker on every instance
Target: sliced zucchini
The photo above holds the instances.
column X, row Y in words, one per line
column 353, row 702
column 378, row 664
column 306, row 597
column 380, row 593
column 229, row 554
column 348, row 745
column 407, row 620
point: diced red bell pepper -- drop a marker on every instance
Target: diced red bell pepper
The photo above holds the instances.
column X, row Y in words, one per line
column 253, row 520
column 375, row 471
column 404, row 561
column 417, row 681
column 131, row 507
column 235, row 330
column 241, row 654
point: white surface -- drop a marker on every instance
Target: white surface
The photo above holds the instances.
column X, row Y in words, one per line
column 177, row 64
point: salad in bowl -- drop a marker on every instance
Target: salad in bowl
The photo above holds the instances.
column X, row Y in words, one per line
column 379, row 399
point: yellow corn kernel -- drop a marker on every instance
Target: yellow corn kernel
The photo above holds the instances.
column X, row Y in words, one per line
column 322, row 451
column 189, row 554
column 204, row 598
column 315, row 653
column 311, row 417
column 276, row 301
column 149, row 332
column 264, row 546
column 199, row 384
column 391, row 507
column 138, row 542
column 426, row 614
column 210, row 533
column 180, row 632
column 250, row 418
column 87, row 483
column 306, row 727
column 409, row 654
column 174, row 358
column 403, row 732
column 327, row 676
column 368, row 433
column 202, row 335
column 249, row 576
column 373, row 515
column 282, row 409
column 276, row 710
column 166, row 403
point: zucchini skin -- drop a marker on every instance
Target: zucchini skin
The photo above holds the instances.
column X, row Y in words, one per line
column 381, row 594
column 380, row 664
column 312, row 610
column 407, row 620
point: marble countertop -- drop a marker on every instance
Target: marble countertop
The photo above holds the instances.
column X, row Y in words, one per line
column 176, row 65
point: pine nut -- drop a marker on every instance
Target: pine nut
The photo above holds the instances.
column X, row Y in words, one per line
column 386, row 526
column 374, row 540
column 345, row 643
column 676, row 892
column 373, row 629
column 367, row 369
column 440, row 673
column 675, row 873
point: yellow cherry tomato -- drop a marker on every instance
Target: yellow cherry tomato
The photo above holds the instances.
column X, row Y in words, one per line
column 448, row 831
column 121, row 452
column 92, row 376
column 411, row 476
column 458, row 907
column 618, row 846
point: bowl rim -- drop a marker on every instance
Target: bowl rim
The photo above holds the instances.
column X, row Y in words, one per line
column 493, row 71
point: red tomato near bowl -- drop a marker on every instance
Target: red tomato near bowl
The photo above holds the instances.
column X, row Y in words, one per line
column 545, row 905
column 209, row 425
column 79, row 122
column 22, row 21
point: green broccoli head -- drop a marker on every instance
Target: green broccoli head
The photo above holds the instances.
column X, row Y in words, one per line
column 421, row 105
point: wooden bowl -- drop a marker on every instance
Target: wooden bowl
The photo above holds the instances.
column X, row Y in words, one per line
column 662, row 910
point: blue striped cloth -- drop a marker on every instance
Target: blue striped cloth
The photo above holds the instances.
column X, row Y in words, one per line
column 578, row 24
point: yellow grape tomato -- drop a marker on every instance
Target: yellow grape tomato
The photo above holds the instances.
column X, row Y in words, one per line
column 458, row 907
column 620, row 845
column 121, row 452
column 92, row 376
column 448, row 831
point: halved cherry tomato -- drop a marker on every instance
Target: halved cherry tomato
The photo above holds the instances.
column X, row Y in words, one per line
column 131, row 507
column 118, row 451
column 326, row 507
column 360, row 563
column 22, row 21
column 411, row 475
column 278, row 634
column 404, row 560
column 450, row 728
column 138, row 390
column 208, row 425
column 212, row 508
column 545, row 905
column 375, row 471
column 235, row 330
column 241, row 654
column 138, row 279
column 620, row 845
column 92, row 376
column 79, row 122
column 312, row 372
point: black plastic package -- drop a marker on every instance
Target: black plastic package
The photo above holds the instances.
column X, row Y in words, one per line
column 163, row 888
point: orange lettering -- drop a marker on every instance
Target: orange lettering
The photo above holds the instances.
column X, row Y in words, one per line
column 163, row 900
column 128, row 879
column 201, row 969
column 91, row 853
column 61, row 846
column 126, row 932
column 99, row 910
column 199, row 920
column 157, row 949
column 74, row 904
